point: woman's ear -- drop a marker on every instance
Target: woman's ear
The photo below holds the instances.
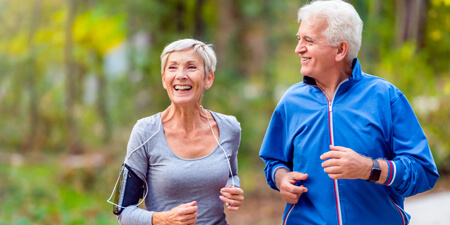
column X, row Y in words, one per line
column 162, row 80
column 209, row 80
column 342, row 50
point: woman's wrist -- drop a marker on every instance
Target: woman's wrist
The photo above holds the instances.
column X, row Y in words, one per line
column 160, row 218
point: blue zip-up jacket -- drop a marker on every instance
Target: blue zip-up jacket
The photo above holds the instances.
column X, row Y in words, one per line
column 368, row 115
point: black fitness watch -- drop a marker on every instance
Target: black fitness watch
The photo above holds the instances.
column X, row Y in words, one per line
column 375, row 172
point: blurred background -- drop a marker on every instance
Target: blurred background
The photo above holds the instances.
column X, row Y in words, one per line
column 75, row 76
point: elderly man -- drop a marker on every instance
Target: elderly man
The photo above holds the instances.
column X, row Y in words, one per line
column 343, row 147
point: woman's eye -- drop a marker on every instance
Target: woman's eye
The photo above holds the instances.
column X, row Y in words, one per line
column 171, row 67
column 192, row 67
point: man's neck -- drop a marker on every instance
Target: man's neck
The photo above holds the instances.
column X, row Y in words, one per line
column 331, row 83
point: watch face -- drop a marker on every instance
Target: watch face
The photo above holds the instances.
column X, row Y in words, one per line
column 376, row 171
column 374, row 175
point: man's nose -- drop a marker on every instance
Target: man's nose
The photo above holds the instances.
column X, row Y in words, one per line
column 300, row 48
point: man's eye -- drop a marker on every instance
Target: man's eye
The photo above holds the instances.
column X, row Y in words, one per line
column 171, row 67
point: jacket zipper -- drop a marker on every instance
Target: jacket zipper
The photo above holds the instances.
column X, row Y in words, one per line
column 330, row 118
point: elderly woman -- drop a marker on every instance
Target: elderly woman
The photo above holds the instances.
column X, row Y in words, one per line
column 183, row 161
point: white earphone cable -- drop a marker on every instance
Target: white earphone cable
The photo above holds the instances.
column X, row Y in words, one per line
column 224, row 152
column 126, row 158
column 146, row 185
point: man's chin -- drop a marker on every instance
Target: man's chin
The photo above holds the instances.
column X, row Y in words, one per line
column 304, row 73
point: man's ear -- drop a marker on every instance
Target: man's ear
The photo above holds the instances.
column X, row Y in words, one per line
column 342, row 50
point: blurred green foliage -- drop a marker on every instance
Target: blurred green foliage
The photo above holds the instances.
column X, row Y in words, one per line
column 115, row 76
column 45, row 194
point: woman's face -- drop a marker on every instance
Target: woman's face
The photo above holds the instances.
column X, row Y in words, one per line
column 184, row 77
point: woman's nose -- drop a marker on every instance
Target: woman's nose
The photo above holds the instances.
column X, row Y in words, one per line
column 181, row 74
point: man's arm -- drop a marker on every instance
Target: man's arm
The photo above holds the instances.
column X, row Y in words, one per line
column 344, row 163
column 276, row 148
column 412, row 169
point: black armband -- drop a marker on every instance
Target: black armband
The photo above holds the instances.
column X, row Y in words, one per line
column 129, row 191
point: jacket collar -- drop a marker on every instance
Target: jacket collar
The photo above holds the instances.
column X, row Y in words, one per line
column 356, row 74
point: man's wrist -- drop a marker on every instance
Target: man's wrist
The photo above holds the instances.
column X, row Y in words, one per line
column 375, row 171
column 367, row 168
column 279, row 174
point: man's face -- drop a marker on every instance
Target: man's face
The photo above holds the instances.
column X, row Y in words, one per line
column 317, row 57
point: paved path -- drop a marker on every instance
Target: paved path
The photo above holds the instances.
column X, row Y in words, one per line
column 430, row 209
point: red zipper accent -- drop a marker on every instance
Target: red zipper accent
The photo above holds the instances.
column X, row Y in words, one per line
column 287, row 214
column 399, row 210
column 330, row 126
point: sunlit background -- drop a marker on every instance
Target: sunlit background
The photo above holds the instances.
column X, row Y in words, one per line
column 75, row 76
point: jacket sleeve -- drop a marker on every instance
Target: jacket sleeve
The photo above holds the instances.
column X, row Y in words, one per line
column 412, row 170
column 276, row 148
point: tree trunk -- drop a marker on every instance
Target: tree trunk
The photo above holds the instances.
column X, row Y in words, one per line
column 102, row 101
column 422, row 9
column 73, row 146
column 30, row 141
column 411, row 20
column 198, row 20
column 227, row 26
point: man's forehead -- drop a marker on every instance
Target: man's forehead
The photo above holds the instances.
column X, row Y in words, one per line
column 311, row 26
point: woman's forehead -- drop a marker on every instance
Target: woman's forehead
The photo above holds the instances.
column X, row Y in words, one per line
column 185, row 55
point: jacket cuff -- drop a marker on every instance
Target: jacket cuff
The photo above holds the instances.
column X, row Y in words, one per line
column 394, row 177
column 274, row 172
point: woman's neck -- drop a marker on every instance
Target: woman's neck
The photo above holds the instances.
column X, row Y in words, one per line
column 184, row 118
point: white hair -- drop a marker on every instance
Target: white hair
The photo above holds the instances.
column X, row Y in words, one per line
column 344, row 23
column 204, row 50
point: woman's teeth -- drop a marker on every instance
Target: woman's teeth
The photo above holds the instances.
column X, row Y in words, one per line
column 183, row 87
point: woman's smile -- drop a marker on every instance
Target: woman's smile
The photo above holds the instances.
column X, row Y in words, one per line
column 182, row 87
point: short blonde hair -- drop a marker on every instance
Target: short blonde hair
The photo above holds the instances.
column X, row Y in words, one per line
column 204, row 50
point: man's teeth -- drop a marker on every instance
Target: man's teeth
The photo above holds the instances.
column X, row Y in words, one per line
column 183, row 87
column 303, row 58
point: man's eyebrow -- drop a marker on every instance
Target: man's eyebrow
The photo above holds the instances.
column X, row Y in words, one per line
column 304, row 36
